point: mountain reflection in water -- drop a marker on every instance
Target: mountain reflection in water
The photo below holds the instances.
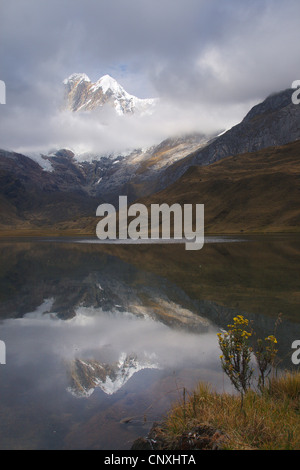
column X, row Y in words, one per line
column 101, row 339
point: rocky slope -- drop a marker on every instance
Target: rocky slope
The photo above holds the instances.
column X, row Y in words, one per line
column 275, row 121
column 31, row 196
column 138, row 173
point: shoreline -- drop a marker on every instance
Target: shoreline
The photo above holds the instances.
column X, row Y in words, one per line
column 77, row 233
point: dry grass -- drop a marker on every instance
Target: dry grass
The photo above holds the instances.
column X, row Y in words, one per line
column 267, row 421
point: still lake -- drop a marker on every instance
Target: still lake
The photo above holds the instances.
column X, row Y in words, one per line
column 101, row 339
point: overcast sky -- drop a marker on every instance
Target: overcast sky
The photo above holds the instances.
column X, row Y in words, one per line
column 208, row 61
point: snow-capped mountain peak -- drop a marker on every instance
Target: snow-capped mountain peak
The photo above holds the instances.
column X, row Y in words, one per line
column 83, row 95
column 108, row 83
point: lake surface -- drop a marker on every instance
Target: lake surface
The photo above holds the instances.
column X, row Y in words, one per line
column 101, row 339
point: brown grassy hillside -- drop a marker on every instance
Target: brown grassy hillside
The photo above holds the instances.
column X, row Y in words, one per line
column 253, row 192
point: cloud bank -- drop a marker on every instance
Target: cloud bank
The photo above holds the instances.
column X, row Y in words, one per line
column 208, row 61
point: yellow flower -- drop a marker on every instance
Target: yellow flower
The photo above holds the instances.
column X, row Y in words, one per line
column 271, row 338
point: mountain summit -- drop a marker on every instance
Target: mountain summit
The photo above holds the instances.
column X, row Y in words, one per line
column 83, row 95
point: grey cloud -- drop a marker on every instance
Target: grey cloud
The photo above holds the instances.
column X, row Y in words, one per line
column 209, row 62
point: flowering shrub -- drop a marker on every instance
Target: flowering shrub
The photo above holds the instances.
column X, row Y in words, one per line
column 236, row 353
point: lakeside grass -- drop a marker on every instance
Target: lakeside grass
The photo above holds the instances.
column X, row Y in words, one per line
column 267, row 421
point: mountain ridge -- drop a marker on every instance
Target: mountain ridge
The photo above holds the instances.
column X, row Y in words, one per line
column 274, row 121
